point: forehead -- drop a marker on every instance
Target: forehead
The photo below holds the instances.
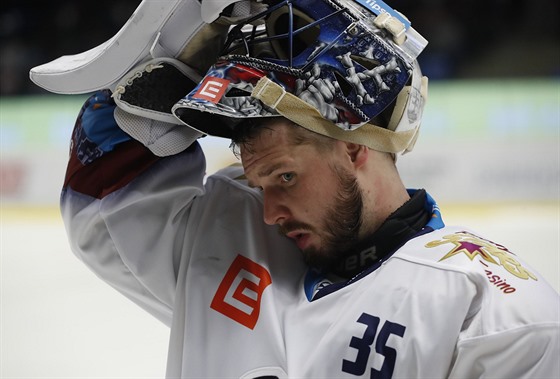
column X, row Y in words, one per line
column 275, row 139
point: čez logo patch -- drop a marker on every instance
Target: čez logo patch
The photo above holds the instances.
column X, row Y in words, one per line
column 240, row 292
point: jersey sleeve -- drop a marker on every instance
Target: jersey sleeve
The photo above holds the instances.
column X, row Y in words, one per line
column 125, row 209
column 525, row 352
column 512, row 326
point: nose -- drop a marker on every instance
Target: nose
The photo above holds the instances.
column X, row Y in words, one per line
column 275, row 210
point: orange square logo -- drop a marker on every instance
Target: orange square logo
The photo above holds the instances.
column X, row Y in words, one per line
column 240, row 292
column 212, row 89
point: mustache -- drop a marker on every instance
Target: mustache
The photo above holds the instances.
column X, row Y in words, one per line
column 289, row 226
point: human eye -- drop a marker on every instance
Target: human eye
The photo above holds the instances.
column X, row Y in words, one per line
column 287, row 177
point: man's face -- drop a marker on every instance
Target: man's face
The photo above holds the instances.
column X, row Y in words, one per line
column 310, row 194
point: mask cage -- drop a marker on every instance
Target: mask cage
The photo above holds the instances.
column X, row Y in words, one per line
column 285, row 33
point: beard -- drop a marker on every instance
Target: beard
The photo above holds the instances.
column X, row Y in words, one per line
column 340, row 229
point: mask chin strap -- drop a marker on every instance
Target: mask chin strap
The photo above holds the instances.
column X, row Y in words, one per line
column 409, row 106
column 304, row 114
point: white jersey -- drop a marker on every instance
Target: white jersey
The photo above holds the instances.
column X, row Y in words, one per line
column 241, row 304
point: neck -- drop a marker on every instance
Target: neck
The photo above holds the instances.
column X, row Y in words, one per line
column 395, row 231
column 383, row 191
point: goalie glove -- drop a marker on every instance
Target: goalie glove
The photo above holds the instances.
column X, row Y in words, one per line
column 156, row 29
column 144, row 98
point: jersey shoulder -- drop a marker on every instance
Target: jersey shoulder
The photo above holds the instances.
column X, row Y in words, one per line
column 481, row 259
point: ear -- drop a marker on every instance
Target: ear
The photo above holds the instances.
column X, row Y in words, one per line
column 358, row 154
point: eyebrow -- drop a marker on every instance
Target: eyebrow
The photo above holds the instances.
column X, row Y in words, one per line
column 266, row 172
column 269, row 170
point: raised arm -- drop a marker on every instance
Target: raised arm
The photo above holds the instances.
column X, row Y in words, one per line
column 125, row 209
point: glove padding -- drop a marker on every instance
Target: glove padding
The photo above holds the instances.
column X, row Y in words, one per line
column 162, row 138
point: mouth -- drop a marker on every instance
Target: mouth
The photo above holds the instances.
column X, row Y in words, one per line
column 300, row 237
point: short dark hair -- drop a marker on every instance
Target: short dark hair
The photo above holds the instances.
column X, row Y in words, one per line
column 248, row 130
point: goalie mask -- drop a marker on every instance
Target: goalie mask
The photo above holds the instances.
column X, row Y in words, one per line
column 332, row 66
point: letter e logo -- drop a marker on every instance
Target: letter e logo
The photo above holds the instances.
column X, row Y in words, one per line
column 240, row 292
column 212, row 89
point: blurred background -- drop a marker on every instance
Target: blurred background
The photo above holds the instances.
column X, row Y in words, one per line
column 489, row 152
